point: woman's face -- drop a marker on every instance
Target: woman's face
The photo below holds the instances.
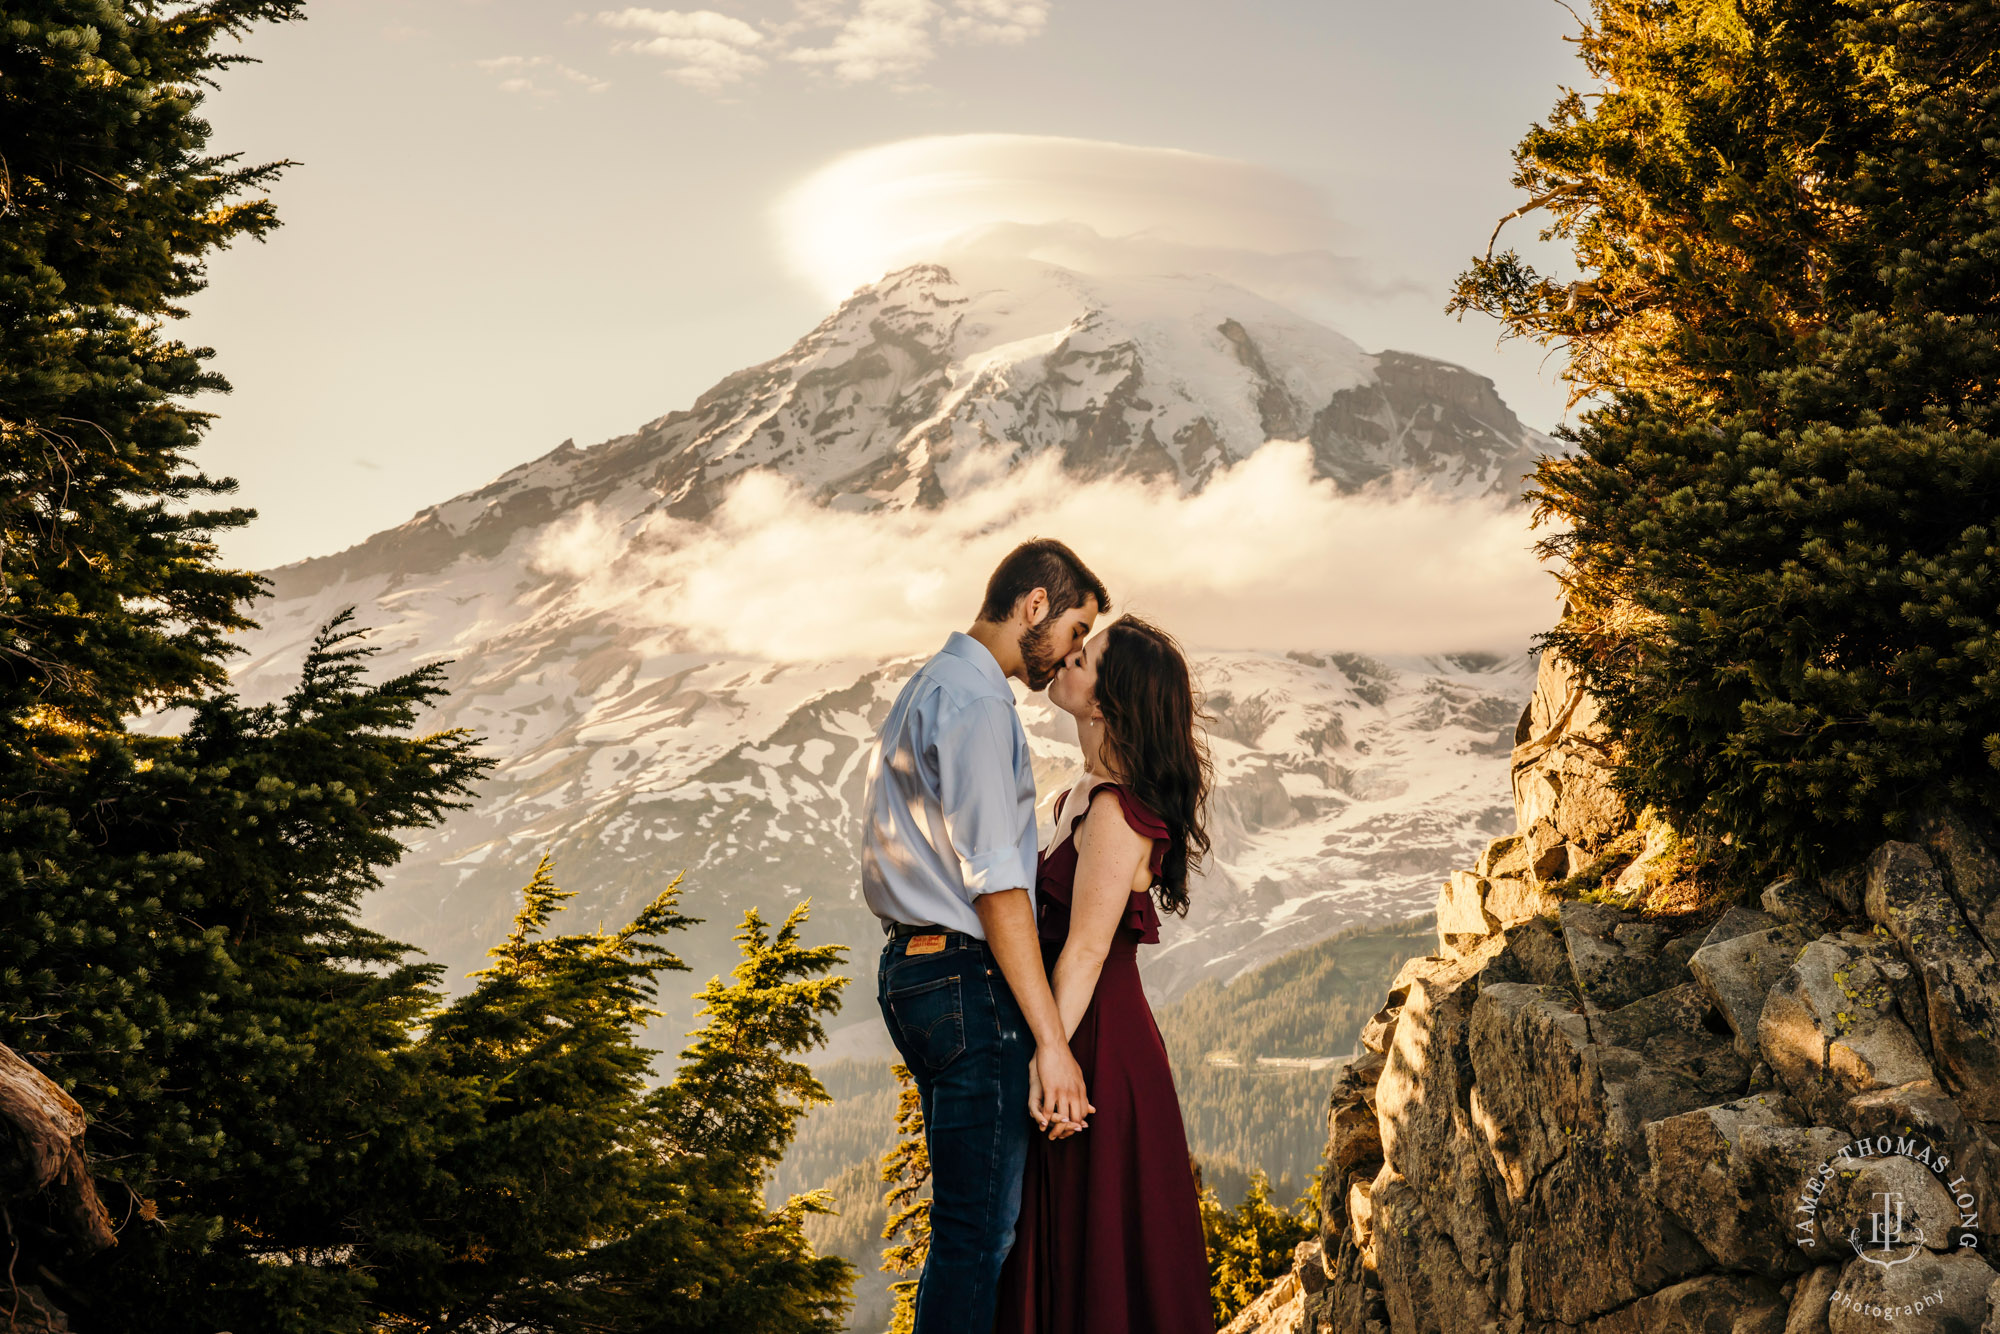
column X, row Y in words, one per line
column 1075, row 688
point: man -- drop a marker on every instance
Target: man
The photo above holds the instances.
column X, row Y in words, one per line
column 948, row 864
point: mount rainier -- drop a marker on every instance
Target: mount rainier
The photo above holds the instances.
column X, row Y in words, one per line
column 1347, row 785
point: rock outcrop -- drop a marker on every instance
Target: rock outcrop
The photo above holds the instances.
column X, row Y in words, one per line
column 1584, row 1113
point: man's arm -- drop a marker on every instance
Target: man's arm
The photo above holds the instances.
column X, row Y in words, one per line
column 1010, row 934
column 978, row 794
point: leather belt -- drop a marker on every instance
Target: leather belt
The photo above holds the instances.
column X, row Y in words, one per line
column 898, row 930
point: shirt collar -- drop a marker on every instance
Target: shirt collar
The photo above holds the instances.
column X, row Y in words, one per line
column 963, row 645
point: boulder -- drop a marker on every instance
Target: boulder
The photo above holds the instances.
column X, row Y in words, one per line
column 1920, row 1203
column 1732, row 1174
column 1931, row 1294
column 1563, row 761
column 1421, row 1102
column 1737, row 921
column 1675, row 1030
column 1971, row 872
column 1738, row 970
column 1380, row 1030
column 1536, row 948
column 1710, row 1304
column 1424, row 1285
column 1615, row 957
column 1792, row 900
column 1475, row 905
column 1361, row 1218
column 1810, row 1298
column 1510, row 901
column 1460, row 907
column 1561, row 1120
column 1924, row 1109
column 1830, row 1027
column 1504, row 859
column 1960, row 978
column 1353, row 1141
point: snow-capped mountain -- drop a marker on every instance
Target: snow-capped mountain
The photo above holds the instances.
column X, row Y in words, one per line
column 1347, row 786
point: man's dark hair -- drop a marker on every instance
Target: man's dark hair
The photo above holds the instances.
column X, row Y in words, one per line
column 1042, row 562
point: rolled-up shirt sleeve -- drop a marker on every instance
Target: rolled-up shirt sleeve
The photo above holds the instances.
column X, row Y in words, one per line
column 977, row 792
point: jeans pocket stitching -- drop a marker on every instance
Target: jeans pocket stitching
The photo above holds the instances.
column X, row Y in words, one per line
column 956, row 1014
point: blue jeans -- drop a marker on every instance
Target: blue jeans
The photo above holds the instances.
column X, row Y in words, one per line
column 959, row 1030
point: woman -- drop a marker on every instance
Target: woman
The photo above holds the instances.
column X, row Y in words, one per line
column 1109, row 1239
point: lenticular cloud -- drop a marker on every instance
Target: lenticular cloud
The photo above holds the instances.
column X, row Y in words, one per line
column 1266, row 557
column 1085, row 204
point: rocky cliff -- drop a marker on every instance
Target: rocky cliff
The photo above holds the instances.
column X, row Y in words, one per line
column 1586, row 1112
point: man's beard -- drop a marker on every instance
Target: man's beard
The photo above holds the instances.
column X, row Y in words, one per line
column 1039, row 660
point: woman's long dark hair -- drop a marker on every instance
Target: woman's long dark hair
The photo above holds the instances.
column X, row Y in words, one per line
column 1151, row 742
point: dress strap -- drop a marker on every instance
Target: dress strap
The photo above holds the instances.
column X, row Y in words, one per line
column 1139, row 816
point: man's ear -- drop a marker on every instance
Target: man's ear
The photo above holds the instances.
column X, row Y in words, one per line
column 1035, row 605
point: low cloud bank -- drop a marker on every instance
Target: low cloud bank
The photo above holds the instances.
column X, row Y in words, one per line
column 1266, row 557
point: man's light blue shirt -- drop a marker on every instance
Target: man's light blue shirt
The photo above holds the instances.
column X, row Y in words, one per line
column 949, row 809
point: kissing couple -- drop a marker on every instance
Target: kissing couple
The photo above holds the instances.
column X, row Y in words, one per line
column 1063, row 1200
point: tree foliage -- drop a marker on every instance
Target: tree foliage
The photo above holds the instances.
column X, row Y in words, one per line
column 295, row 1131
column 1250, row 1247
column 1778, row 517
column 907, row 1169
column 185, row 960
column 110, row 203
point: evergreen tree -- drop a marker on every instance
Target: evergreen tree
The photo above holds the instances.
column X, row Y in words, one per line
column 110, row 203
column 1249, row 1247
column 185, row 960
column 543, row 1140
column 565, row 1195
column 297, row 1135
column 1778, row 523
column 713, row 1256
column 907, row 1169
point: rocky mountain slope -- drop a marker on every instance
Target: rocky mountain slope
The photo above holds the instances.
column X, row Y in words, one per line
column 922, row 386
column 634, row 750
column 1575, row 1117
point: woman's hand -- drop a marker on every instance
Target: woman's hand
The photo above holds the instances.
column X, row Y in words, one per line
column 1053, row 1126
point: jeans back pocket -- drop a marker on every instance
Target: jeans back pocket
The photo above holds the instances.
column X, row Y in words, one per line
column 931, row 1018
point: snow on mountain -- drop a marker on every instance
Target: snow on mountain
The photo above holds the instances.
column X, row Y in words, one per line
column 1347, row 786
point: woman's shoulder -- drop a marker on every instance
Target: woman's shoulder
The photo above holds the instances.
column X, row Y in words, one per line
column 1137, row 814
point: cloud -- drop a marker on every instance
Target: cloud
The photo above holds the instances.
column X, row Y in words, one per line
column 880, row 39
column 531, row 75
column 1004, row 21
column 1265, row 557
column 849, row 41
column 1082, row 203
column 704, row 49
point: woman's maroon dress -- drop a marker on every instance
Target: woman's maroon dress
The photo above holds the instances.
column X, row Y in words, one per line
column 1109, row 1240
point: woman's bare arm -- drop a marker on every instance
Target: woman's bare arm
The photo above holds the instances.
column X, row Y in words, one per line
column 1109, row 853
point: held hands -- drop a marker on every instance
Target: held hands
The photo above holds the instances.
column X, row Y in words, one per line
column 1056, row 1097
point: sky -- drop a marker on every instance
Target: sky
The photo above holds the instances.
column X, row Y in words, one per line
column 516, row 223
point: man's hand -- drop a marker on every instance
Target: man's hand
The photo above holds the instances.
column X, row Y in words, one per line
column 1035, row 1099
column 1063, row 1098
